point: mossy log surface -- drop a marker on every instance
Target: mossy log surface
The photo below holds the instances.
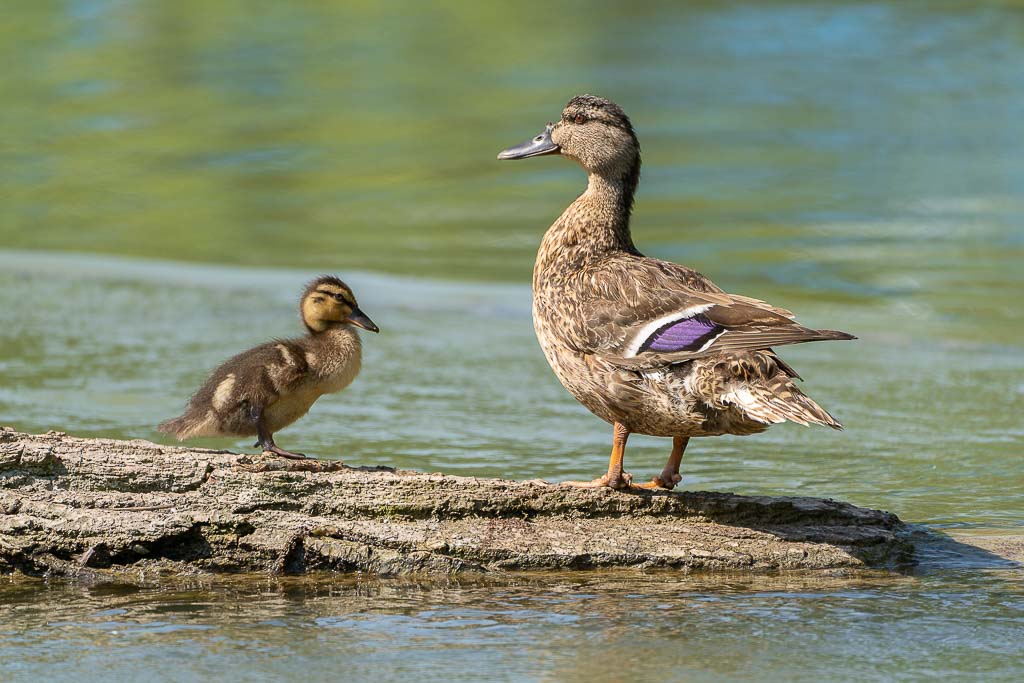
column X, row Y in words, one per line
column 74, row 506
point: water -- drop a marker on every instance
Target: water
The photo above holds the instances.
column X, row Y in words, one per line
column 171, row 178
column 557, row 628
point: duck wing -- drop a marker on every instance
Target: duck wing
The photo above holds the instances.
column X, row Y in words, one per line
column 645, row 313
column 253, row 379
column 267, row 371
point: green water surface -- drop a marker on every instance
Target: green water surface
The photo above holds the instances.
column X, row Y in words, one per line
column 172, row 173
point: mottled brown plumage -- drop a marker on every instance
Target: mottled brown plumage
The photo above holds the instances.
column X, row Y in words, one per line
column 266, row 388
column 650, row 346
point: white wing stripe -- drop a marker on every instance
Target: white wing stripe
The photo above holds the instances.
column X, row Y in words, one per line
column 711, row 341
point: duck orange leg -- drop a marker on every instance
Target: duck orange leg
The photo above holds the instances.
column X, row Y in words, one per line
column 615, row 477
column 669, row 476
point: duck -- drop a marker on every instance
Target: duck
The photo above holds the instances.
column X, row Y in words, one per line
column 268, row 387
column 650, row 346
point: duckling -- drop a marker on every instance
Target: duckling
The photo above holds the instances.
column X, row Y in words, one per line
column 270, row 386
column 651, row 347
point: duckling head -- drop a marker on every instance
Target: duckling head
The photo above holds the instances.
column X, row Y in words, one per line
column 328, row 302
column 595, row 133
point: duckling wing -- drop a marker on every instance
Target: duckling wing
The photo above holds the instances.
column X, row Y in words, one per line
column 251, row 380
column 255, row 378
column 645, row 313
column 274, row 369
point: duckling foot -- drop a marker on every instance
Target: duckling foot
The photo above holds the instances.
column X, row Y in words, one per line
column 277, row 450
column 619, row 483
column 266, row 442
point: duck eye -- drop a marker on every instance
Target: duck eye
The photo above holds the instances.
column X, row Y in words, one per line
column 580, row 118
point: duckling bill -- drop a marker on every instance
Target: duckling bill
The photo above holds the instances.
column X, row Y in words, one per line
column 649, row 346
column 265, row 389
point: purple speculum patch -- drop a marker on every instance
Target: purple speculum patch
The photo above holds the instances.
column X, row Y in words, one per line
column 684, row 335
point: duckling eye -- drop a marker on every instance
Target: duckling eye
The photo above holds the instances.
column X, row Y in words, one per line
column 580, row 118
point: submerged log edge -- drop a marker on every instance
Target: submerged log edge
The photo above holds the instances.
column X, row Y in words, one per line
column 79, row 507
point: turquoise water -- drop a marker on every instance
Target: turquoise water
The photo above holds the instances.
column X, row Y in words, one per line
column 171, row 176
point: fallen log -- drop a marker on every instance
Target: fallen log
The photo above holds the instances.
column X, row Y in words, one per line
column 74, row 506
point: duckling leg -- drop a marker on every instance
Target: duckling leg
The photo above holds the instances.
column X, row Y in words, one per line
column 615, row 477
column 266, row 439
column 274, row 448
column 669, row 476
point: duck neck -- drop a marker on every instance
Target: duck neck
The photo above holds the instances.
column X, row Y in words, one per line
column 331, row 349
column 597, row 223
column 334, row 334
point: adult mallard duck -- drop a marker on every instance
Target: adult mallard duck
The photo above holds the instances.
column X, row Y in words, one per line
column 649, row 346
column 270, row 386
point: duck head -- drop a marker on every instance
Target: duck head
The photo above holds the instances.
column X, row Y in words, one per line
column 595, row 133
column 327, row 302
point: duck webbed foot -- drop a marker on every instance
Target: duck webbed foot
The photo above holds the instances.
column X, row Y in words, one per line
column 618, row 479
column 615, row 477
column 273, row 449
column 669, row 476
column 663, row 481
column 619, row 482
column 265, row 440
column 277, row 450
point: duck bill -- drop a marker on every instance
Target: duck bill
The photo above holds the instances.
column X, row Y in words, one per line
column 360, row 319
column 537, row 147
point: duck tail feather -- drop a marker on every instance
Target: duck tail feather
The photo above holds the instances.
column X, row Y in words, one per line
column 834, row 335
column 174, row 426
column 780, row 400
column 181, row 427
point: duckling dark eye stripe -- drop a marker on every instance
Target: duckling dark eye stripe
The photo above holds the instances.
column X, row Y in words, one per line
column 336, row 295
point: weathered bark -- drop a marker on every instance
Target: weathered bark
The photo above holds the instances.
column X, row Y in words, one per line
column 74, row 506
